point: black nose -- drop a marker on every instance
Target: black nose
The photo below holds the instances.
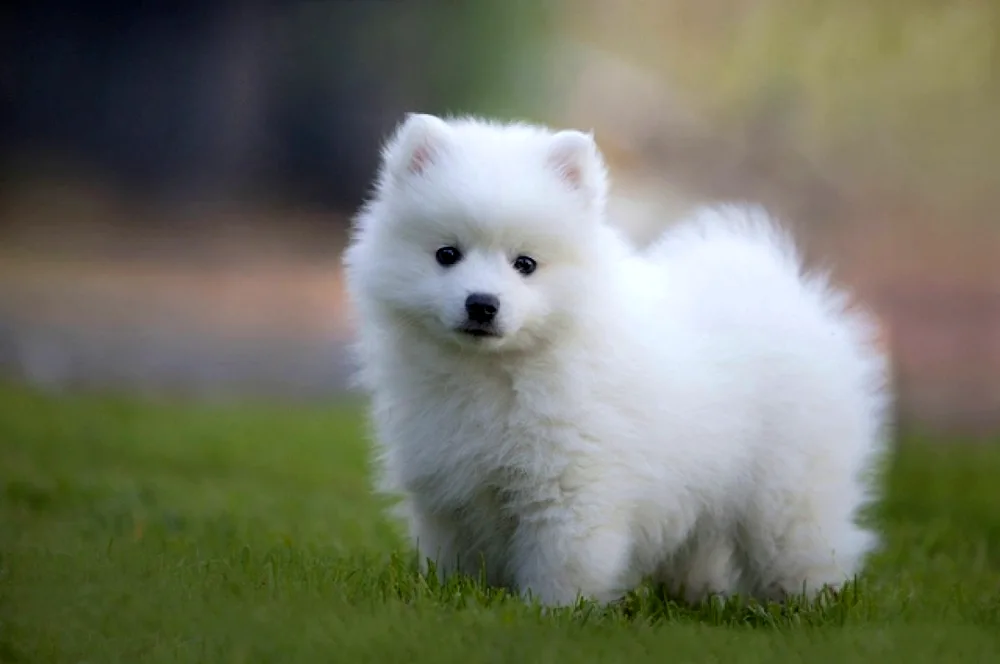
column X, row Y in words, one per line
column 482, row 307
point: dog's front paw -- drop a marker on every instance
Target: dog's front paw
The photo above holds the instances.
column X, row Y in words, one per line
column 560, row 562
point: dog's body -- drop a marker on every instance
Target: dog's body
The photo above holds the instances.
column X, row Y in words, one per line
column 576, row 415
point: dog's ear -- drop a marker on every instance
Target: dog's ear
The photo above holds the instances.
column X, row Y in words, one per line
column 417, row 143
column 576, row 159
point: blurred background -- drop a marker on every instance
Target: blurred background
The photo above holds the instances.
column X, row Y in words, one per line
column 177, row 183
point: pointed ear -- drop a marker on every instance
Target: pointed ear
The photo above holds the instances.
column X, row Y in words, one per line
column 417, row 143
column 575, row 157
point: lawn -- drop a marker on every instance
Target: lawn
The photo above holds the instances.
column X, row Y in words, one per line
column 167, row 532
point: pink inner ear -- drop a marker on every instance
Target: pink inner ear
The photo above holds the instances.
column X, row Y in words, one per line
column 571, row 174
column 567, row 169
column 420, row 159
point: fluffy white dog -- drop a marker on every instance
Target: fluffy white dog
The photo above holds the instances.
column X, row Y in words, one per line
column 577, row 415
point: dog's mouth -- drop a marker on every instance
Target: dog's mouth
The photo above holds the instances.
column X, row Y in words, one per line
column 479, row 331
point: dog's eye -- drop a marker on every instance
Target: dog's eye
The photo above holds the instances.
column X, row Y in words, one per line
column 525, row 265
column 448, row 256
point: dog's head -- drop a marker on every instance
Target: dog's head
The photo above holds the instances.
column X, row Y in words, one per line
column 481, row 234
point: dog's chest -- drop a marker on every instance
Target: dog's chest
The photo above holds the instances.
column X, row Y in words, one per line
column 461, row 446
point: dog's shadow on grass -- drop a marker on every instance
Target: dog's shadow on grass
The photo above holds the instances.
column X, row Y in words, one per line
column 655, row 603
column 649, row 604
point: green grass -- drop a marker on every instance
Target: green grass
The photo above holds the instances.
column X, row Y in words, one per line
column 134, row 531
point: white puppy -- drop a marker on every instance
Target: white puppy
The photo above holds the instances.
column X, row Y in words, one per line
column 577, row 415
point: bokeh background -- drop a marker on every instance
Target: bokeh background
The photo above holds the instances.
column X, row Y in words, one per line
column 177, row 182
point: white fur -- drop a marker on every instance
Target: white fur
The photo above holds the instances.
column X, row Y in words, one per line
column 700, row 412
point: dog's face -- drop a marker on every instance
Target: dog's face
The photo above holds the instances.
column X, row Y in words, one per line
column 481, row 235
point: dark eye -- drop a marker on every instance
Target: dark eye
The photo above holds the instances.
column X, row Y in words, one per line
column 525, row 265
column 448, row 256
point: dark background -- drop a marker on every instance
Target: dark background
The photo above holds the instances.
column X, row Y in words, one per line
column 176, row 181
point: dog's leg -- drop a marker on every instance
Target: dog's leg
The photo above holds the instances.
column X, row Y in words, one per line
column 435, row 539
column 820, row 547
column 559, row 556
